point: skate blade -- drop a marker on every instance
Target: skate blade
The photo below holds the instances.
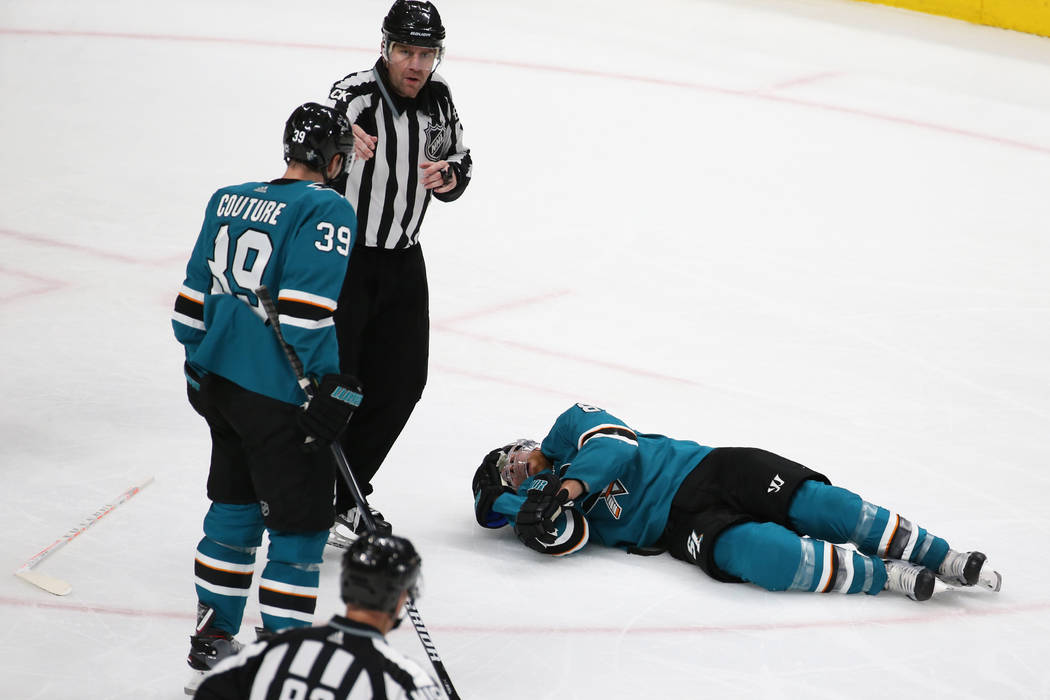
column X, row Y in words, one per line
column 194, row 682
column 990, row 580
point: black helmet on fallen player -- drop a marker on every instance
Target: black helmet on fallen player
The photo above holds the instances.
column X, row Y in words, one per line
column 414, row 23
column 377, row 569
column 314, row 134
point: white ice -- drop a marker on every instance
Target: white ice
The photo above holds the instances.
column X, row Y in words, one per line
column 814, row 226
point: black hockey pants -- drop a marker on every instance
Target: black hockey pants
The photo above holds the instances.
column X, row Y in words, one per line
column 383, row 326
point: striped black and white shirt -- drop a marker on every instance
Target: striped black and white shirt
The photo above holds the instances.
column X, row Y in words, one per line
column 386, row 190
column 343, row 659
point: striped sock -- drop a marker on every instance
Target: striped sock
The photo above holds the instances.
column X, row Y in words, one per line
column 288, row 588
column 222, row 576
column 828, row 568
column 883, row 533
column 288, row 595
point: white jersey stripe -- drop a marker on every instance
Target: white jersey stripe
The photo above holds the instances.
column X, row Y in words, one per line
column 306, row 297
column 266, row 674
column 191, row 294
column 188, row 321
column 304, row 659
column 335, row 671
column 308, row 324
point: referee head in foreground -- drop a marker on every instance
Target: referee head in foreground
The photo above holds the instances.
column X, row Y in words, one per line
column 347, row 657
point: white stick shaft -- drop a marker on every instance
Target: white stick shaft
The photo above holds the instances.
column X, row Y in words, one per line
column 84, row 525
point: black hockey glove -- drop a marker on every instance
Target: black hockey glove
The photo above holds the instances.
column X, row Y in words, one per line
column 534, row 525
column 325, row 416
column 487, row 486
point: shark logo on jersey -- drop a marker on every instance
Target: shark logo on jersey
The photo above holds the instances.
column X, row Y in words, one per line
column 439, row 140
column 609, row 495
column 693, row 544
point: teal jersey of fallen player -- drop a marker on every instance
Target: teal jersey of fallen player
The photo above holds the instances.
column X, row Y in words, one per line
column 630, row 478
column 295, row 237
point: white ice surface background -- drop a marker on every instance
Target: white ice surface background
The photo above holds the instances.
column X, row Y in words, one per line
column 813, row 226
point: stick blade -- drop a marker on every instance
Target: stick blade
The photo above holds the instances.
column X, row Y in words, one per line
column 50, row 584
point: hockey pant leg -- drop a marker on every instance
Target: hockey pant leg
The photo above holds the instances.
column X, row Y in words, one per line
column 383, row 328
column 289, row 583
column 777, row 559
column 837, row 515
column 225, row 561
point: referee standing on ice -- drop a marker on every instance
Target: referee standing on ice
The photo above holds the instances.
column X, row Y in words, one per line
column 347, row 658
column 409, row 147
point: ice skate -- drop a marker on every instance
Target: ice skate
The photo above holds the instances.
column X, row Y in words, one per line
column 916, row 582
column 208, row 646
column 968, row 569
column 349, row 526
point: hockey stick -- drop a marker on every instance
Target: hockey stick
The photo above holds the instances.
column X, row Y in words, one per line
column 55, row 585
column 348, row 476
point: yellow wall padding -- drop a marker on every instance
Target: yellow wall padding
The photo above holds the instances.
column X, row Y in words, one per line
column 1031, row 16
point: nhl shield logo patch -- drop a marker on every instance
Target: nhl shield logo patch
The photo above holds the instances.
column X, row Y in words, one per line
column 439, row 141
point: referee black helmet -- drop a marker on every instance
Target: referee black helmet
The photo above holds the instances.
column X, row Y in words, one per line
column 414, row 23
column 377, row 569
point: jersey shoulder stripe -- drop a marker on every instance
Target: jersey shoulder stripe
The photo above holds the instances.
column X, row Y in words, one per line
column 608, row 430
column 352, row 86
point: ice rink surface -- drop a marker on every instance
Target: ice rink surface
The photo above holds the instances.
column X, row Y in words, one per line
column 813, row 226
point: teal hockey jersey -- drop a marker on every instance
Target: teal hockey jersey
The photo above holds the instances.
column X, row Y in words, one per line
column 630, row 478
column 295, row 237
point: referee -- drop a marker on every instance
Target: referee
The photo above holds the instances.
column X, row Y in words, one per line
column 347, row 658
column 409, row 148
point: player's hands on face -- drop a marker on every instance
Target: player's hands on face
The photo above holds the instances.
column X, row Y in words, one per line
column 438, row 176
column 487, row 487
column 364, row 143
column 534, row 525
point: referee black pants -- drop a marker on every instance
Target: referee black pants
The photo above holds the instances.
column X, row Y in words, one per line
column 383, row 326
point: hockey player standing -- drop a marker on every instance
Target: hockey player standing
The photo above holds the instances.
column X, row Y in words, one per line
column 347, row 658
column 294, row 235
column 409, row 147
column 740, row 514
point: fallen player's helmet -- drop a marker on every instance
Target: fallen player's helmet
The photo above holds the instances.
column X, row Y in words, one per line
column 414, row 23
column 377, row 569
column 512, row 461
column 314, row 133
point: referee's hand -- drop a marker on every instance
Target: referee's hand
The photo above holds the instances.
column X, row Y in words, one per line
column 364, row 143
column 438, row 176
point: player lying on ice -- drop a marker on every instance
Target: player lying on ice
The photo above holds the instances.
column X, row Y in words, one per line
column 740, row 514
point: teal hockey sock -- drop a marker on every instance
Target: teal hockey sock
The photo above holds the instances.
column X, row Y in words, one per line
column 837, row 515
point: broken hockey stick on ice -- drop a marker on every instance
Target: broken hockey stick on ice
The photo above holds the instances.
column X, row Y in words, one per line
column 55, row 585
column 348, row 476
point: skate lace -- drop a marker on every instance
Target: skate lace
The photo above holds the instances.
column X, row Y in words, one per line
column 902, row 578
column 954, row 565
